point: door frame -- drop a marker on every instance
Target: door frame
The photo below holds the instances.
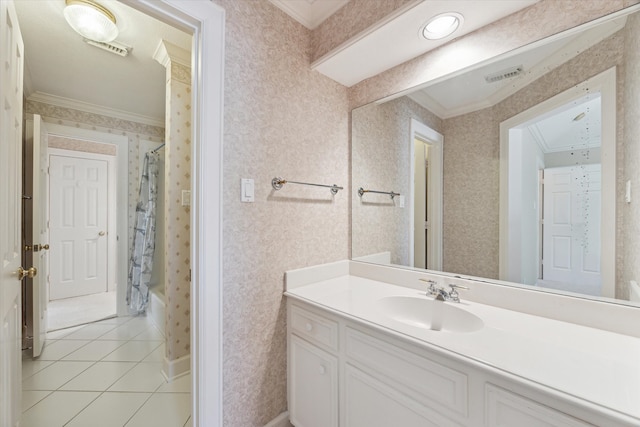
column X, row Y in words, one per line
column 206, row 21
column 113, row 216
column 605, row 84
column 119, row 241
column 435, row 141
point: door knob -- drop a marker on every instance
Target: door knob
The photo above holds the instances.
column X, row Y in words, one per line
column 30, row 273
column 45, row 247
column 102, row 233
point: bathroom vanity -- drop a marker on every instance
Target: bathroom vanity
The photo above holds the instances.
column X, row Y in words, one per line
column 362, row 352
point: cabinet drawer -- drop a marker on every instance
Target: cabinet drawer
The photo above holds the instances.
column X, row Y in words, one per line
column 430, row 383
column 506, row 409
column 315, row 328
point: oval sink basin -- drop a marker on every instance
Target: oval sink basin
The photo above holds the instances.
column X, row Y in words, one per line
column 429, row 314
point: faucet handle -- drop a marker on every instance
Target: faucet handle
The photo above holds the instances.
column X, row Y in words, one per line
column 433, row 289
column 455, row 297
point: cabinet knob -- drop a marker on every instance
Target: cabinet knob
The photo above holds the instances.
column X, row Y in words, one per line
column 322, row 370
column 309, row 327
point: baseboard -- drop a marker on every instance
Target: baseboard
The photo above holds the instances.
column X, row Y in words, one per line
column 172, row 369
column 281, row 420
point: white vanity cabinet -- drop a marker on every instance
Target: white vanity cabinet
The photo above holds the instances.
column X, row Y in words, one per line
column 349, row 373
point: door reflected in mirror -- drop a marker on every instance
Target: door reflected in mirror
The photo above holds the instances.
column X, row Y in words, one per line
column 533, row 152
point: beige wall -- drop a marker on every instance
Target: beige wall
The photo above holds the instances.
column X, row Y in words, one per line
column 177, row 177
column 281, row 119
column 631, row 159
column 381, row 159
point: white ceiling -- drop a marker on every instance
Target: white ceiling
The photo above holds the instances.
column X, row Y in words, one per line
column 59, row 63
column 398, row 38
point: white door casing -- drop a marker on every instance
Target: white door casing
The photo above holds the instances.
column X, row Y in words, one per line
column 11, row 80
column 571, row 247
column 435, row 141
column 420, row 205
column 79, row 224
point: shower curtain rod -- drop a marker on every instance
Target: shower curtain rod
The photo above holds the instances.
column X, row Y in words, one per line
column 155, row 150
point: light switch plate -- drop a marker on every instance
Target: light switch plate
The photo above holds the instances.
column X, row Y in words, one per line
column 186, row 198
column 247, row 190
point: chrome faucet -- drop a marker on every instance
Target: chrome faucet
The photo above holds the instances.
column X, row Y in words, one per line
column 442, row 295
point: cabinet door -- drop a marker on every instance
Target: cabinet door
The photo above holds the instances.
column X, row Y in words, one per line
column 372, row 403
column 313, row 385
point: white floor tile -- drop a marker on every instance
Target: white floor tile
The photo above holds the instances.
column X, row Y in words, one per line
column 114, row 320
column 132, row 351
column 163, row 410
column 150, row 334
column 90, row 332
column 179, row 385
column 55, row 375
column 31, row 397
column 57, row 409
column 126, row 331
column 99, row 377
column 156, row 355
column 55, row 350
column 144, row 377
column 110, row 410
column 189, row 422
column 80, row 310
column 95, row 350
column 54, row 335
column 30, row 367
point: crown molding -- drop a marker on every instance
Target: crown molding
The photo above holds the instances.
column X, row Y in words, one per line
column 74, row 104
column 168, row 52
column 309, row 13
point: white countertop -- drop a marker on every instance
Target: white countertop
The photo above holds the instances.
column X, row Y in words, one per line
column 598, row 366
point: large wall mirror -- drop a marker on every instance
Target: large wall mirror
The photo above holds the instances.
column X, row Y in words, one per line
column 524, row 169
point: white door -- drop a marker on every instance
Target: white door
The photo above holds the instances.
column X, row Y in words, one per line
column 11, row 61
column 40, row 233
column 571, row 230
column 78, row 224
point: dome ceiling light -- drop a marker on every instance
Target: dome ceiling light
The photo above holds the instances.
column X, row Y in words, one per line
column 441, row 26
column 91, row 20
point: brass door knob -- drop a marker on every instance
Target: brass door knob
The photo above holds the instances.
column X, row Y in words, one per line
column 45, row 247
column 102, row 233
column 31, row 272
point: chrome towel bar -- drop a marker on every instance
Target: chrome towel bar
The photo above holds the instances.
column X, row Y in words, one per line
column 361, row 192
column 277, row 183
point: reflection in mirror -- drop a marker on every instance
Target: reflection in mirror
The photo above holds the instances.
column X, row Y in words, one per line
column 520, row 170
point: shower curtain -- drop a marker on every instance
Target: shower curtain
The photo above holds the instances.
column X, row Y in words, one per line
column 141, row 260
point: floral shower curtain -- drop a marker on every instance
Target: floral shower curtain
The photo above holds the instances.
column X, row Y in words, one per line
column 141, row 260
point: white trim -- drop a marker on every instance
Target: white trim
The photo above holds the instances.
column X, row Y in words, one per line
column 172, row 369
column 74, row 104
column 281, row 420
column 167, row 52
column 122, row 199
column 206, row 21
column 605, row 83
column 435, row 140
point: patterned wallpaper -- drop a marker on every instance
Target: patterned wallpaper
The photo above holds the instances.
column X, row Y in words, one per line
column 381, row 158
column 54, row 141
column 631, row 160
column 281, row 119
column 177, row 246
column 515, row 30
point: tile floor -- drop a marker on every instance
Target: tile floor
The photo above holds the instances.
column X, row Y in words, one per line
column 104, row 374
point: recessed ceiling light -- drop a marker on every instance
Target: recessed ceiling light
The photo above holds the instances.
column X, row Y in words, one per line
column 441, row 26
column 91, row 20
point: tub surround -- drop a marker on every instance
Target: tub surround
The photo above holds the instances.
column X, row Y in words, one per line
column 594, row 369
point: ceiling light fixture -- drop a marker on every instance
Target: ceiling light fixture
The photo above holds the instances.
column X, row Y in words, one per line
column 441, row 26
column 91, row 20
